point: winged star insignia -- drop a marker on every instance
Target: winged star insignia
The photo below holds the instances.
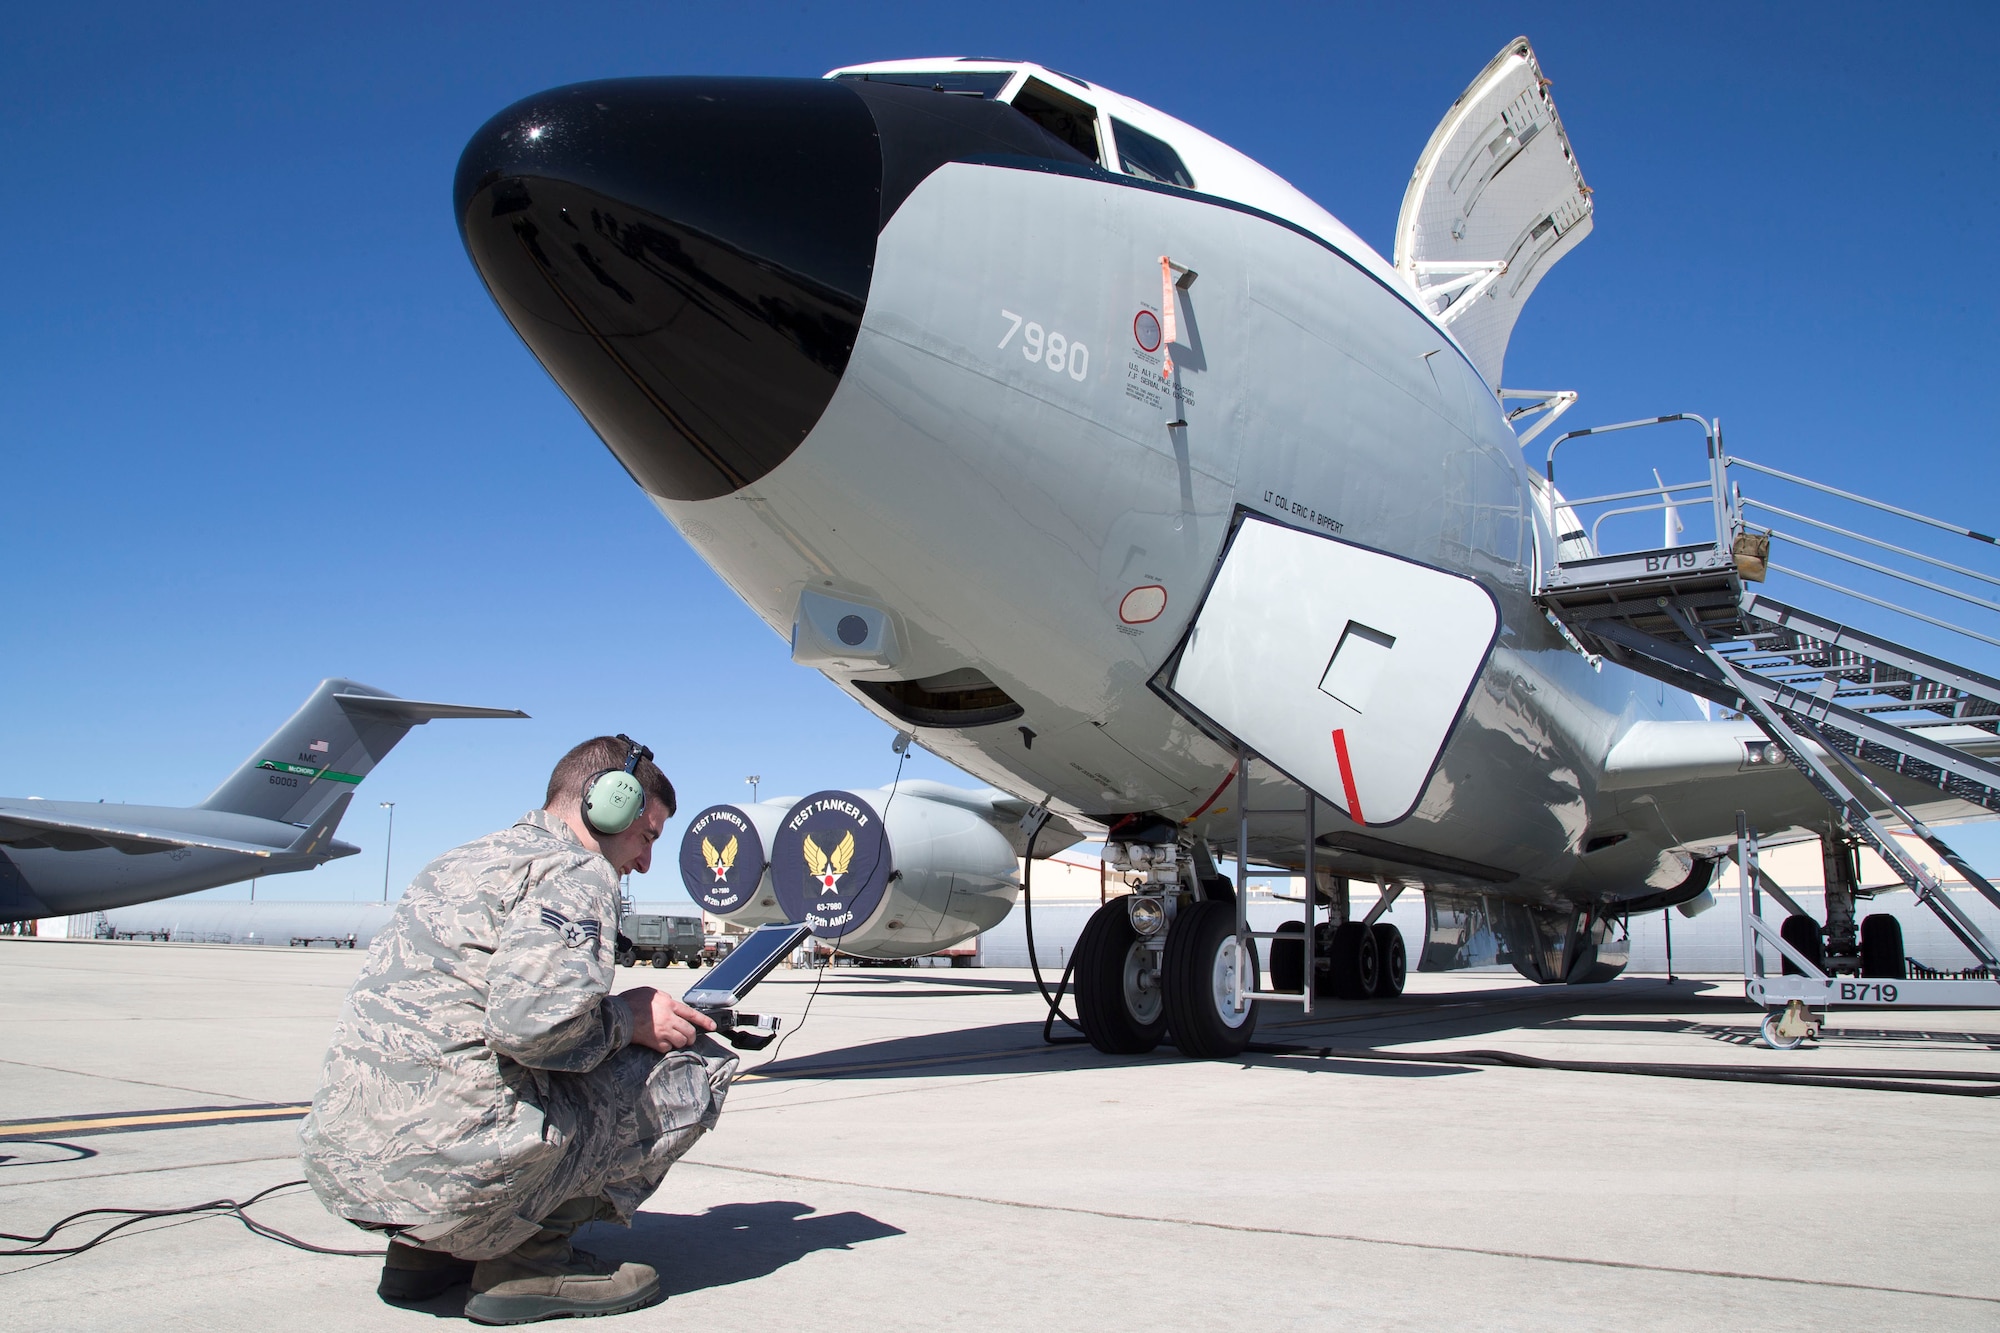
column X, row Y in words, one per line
column 575, row 934
column 829, row 869
column 720, row 862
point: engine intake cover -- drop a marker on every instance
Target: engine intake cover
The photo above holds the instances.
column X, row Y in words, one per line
column 831, row 862
column 892, row 875
column 724, row 865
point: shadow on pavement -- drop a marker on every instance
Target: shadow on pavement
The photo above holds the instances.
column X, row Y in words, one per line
column 731, row 1242
column 885, row 984
column 1636, row 1004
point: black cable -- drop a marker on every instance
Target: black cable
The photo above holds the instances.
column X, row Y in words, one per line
column 894, row 783
column 1936, row 1081
column 902, row 756
column 1035, row 964
column 803, row 1016
column 1049, row 1021
column 37, row 1247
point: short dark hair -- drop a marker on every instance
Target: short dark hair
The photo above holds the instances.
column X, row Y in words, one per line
column 594, row 756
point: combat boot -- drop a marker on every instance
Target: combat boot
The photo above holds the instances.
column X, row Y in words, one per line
column 545, row 1277
column 411, row 1274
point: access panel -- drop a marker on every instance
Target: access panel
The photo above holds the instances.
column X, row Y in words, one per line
column 1342, row 666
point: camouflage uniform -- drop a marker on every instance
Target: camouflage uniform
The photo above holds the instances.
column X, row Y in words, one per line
column 480, row 1074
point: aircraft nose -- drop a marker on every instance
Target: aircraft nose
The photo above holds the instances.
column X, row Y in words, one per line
column 688, row 257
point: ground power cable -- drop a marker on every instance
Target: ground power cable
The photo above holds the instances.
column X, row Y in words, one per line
column 1054, row 1001
column 38, row 1247
column 895, row 784
column 1938, row 1082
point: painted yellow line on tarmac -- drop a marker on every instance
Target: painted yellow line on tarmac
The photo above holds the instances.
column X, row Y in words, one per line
column 113, row 1122
column 129, row 1121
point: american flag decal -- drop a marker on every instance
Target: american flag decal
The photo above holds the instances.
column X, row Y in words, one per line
column 317, row 747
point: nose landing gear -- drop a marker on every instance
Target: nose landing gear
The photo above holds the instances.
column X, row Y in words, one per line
column 1118, row 996
column 1130, row 993
column 1206, row 967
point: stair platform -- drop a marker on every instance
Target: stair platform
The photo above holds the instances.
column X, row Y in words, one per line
column 1843, row 704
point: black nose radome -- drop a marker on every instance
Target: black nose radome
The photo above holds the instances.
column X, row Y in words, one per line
column 688, row 257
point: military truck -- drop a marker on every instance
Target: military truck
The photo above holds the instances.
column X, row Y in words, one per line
column 660, row 940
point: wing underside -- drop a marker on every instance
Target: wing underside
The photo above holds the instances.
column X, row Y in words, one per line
column 28, row 827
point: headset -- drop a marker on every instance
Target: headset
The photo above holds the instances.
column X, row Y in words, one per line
column 614, row 798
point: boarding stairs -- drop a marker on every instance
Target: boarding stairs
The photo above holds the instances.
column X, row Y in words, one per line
column 1841, row 703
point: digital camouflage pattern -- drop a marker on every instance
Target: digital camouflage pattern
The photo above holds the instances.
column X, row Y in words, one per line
column 480, row 1073
column 622, row 1126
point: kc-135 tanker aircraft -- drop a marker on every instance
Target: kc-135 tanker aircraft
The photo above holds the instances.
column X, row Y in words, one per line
column 1119, row 473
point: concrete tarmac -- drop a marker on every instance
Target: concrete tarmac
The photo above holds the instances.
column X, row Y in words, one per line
column 920, row 1160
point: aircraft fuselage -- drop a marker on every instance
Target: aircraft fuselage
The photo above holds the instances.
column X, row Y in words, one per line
column 950, row 461
column 1001, row 508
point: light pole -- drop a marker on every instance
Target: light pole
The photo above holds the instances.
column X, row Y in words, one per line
column 388, row 843
column 753, row 780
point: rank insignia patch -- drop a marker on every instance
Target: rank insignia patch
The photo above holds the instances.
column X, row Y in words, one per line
column 575, row 934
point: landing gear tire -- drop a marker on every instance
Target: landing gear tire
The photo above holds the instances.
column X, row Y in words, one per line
column 1201, row 967
column 1802, row 933
column 1118, row 999
column 1357, row 966
column 1393, row 961
column 1881, row 948
column 1288, row 958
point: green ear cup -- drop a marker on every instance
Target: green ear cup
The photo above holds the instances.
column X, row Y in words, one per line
column 612, row 801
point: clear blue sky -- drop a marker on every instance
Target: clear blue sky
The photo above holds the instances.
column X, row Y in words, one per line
column 262, row 424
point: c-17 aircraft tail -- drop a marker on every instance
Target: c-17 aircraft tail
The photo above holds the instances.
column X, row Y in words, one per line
column 322, row 751
column 276, row 813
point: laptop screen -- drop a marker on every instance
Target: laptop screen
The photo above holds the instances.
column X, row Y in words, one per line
column 749, row 963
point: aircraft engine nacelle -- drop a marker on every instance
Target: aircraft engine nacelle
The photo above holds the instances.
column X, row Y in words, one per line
column 891, row 876
column 725, row 864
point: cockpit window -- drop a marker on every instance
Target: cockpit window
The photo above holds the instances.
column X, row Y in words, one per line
column 1070, row 119
column 1140, row 154
column 964, row 83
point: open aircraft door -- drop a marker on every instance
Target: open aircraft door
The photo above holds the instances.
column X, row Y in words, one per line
column 1495, row 201
column 1341, row 666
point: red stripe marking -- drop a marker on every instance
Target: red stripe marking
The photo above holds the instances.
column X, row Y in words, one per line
column 1220, row 787
column 1347, row 776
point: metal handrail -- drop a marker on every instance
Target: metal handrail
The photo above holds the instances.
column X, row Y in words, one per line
column 1634, row 495
column 1884, row 506
column 1872, row 541
column 1707, row 428
column 1660, row 506
column 1903, row 610
column 1892, row 572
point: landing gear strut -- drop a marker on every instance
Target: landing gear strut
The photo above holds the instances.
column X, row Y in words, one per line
column 1840, row 857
